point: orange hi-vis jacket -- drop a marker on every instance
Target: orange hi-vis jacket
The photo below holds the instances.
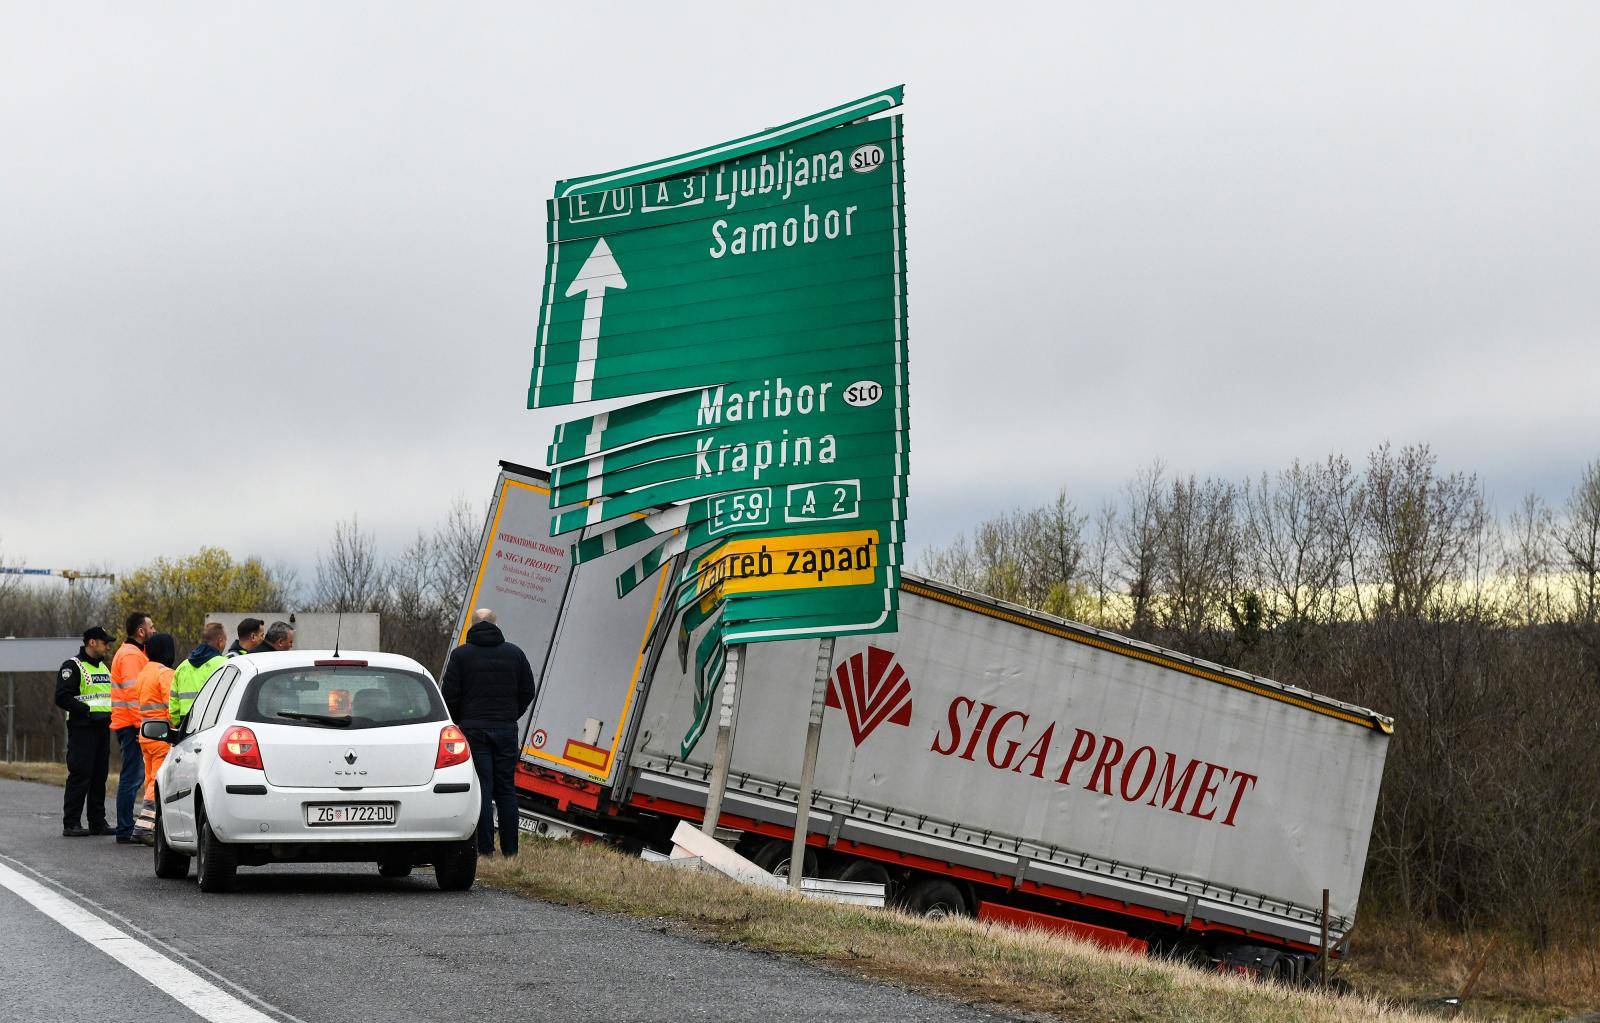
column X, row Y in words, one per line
column 125, row 668
column 155, row 685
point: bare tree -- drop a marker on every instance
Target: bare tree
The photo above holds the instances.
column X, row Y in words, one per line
column 1580, row 542
column 1291, row 540
column 1424, row 527
column 1347, row 517
column 350, row 577
column 1197, row 555
column 951, row 564
column 1138, row 543
column 8, row 582
column 1101, row 570
column 458, row 542
column 997, row 558
column 1529, row 559
column 1051, row 553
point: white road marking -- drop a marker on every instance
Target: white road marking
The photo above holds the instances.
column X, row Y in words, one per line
column 194, row 992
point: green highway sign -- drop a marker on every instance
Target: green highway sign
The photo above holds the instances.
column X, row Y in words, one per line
column 706, row 531
column 736, row 464
column 829, row 437
column 753, row 294
column 708, row 665
column 827, row 623
column 743, row 262
column 792, row 562
column 811, row 505
column 778, row 401
column 688, row 488
column 798, row 499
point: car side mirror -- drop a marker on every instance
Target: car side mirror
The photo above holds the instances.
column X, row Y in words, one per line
column 156, row 731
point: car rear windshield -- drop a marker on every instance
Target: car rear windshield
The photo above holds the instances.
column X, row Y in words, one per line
column 342, row 697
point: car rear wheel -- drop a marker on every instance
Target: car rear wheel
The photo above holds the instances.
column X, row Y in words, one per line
column 456, row 869
column 394, row 868
column 171, row 864
column 218, row 863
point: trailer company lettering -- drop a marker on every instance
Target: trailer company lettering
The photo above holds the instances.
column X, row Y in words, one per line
column 1099, row 763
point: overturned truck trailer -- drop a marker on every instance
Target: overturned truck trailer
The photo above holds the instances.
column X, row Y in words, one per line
column 986, row 759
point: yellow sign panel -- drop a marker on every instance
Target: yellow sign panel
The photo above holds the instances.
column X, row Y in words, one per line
column 805, row 562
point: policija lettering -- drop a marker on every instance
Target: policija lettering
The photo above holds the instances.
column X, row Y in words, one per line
column 1192, row 788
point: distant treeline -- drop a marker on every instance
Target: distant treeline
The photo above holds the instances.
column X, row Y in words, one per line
column 417, row 593
column 1392, row 586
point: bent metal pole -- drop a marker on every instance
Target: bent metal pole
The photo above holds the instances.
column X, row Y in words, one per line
column 808, row 767
column 724, row 753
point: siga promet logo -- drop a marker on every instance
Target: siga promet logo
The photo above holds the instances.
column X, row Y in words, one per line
column 871, row 688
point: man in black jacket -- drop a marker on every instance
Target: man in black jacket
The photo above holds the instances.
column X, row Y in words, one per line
column 488, row 685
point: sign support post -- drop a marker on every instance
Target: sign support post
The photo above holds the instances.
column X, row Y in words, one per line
column 724, row 752
column 808, row 767
column 11, row 717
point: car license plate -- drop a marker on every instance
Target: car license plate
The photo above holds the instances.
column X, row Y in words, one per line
column 322, row 814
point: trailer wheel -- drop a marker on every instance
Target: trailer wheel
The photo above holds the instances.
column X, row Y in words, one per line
column 773, row 857
column 868, row 871
column 935, row 898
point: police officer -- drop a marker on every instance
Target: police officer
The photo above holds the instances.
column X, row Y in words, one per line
column 195, row 671
column 83, row 690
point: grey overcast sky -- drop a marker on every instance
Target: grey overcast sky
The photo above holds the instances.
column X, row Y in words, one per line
column 265, row 266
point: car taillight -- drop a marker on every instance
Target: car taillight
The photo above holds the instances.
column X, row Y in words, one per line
column 453, row 748
column 239, row 747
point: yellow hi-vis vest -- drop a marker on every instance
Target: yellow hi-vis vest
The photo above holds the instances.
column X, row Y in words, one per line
column 94, row 686
column 187, row 683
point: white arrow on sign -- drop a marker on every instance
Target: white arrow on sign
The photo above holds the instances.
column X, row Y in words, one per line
column 599, row 272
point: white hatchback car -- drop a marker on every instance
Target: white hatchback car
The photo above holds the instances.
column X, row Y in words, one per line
column 308, row 756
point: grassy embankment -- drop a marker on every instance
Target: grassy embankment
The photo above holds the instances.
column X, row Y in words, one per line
column 47, row 772
column 1035, row 972
column 1025, row 972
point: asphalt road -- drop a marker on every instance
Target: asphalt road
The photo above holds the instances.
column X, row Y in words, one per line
column 339, row 944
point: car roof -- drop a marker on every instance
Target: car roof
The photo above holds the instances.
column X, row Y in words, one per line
column 307, row 658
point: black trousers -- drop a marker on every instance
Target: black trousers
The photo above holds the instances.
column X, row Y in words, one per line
column 88, row 759
column 495, row 752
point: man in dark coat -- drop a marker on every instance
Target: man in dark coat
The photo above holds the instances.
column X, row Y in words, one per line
column 488, row 686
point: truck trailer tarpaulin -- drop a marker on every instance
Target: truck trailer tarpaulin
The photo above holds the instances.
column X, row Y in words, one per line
column 1037, row 761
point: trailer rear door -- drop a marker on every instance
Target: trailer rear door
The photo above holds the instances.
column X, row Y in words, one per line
column 588, row 649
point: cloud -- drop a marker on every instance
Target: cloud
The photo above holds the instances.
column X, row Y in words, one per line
column 265, row 269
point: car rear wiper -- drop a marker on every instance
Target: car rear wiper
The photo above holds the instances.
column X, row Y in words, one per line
column 321, row 719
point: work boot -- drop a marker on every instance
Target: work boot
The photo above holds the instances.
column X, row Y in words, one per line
column 74, row 832
column 101, row 829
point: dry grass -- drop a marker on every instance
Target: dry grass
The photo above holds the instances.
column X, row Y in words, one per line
column 1411, row 960
column 47, row 772
column 1026, row 972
